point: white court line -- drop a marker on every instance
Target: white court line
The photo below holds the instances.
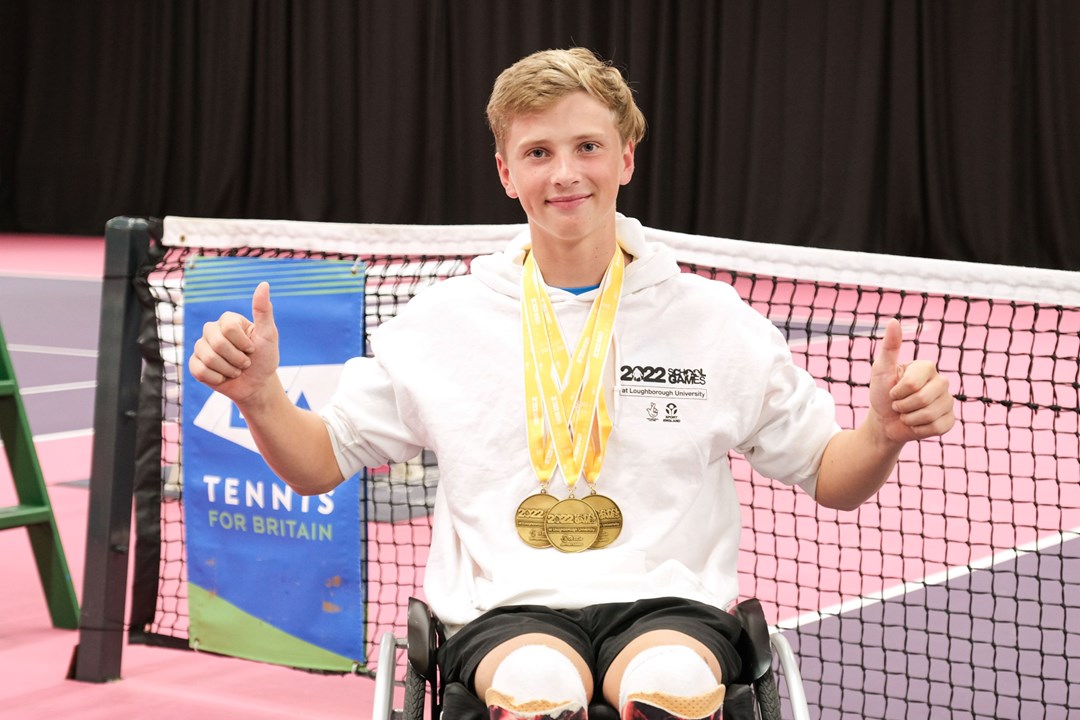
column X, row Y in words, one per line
column 59, row 387
column 31, row 275
column 62, row 435
column 940, row 578
column 52, row 350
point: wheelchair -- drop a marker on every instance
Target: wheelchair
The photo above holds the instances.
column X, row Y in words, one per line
column 754, row 694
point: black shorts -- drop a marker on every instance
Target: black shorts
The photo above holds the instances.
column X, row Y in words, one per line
column 598, row 633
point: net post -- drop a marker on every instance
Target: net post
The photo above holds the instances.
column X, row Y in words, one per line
column 98, row 654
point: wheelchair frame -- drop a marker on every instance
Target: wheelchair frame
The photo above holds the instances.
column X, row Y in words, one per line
column 421, row 673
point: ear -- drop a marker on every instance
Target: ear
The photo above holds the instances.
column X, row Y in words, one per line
column 628, row 163
column 504, row 176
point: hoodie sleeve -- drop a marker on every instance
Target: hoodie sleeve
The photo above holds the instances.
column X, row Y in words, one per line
column 365, row 420
column 795, row 419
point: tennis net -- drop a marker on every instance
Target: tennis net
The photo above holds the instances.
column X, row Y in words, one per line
column 952, row 593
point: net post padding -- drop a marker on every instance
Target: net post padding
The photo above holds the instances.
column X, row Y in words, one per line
column 99, row 651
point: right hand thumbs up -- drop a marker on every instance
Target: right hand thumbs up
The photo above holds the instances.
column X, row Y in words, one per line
column 237, row 356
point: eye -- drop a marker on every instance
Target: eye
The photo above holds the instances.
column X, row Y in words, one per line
column 590, row 146
column 536, row 153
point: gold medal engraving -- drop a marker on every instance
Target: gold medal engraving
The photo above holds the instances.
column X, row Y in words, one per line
column 610, row 516
column 530, row 517
column 571, row 526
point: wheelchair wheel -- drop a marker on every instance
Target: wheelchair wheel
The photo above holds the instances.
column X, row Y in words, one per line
column 415, row 692
column 768, row 696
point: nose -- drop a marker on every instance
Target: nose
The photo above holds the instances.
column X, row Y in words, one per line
column 565, row 171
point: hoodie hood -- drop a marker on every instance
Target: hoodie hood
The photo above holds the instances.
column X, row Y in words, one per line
column 652, row 263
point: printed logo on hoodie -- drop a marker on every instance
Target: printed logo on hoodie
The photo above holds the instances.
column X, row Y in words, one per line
column 662, row 382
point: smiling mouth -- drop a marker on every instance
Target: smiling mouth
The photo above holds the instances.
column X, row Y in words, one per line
column 567, row 201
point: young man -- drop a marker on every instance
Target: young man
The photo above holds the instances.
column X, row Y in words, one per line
column 579, row 549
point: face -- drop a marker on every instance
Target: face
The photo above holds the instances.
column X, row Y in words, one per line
column 565, row 165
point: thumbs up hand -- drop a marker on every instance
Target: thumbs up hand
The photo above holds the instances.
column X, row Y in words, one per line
column 912, row 401
column 236, row 356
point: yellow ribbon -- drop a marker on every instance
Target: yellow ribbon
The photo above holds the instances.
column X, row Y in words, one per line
column 577, row 415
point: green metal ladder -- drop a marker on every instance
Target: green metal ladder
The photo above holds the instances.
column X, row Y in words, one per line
column 34, row 511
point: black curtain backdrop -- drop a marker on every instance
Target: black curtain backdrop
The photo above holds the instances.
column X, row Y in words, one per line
column 926, row 128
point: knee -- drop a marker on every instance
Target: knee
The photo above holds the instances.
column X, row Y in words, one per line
column 676, row 675
column 485, row 671
column 536, row 675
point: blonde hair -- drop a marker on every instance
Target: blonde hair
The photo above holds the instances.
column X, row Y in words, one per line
column 538, row 81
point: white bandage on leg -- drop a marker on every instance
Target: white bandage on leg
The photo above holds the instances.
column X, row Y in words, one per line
column 674, row 678
column 537, row 681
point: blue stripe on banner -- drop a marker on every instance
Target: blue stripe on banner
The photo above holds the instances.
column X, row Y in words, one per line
column 292, row 563
column 227, row 278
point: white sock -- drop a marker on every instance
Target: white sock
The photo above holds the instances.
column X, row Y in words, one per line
column 537, row 675
column 669, row 669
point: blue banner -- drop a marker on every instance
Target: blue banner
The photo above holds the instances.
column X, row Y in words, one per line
column 272, row 576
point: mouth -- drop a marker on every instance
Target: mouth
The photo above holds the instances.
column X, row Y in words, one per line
column 568, row 202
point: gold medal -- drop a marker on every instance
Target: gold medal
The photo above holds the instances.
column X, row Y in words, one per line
column 610, row 517
column 571, row 526
column 530, row 516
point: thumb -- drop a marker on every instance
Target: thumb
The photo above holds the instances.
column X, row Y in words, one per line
column 262, row 310
column 889, row 352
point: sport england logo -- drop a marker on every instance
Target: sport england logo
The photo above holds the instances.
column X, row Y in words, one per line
column 650, row 381
column 307, row 386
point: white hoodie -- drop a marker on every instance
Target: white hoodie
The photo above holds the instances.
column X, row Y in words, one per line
column 694, row 374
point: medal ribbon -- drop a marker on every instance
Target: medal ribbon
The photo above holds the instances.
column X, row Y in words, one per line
column 577, row 415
